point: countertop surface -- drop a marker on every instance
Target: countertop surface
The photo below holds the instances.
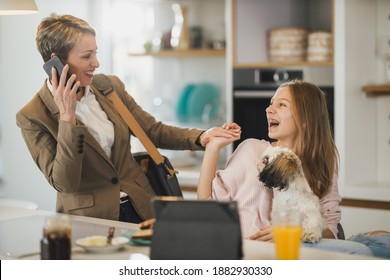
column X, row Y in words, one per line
column 21, row 230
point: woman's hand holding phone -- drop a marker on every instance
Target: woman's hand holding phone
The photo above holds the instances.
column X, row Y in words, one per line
column 64, row 92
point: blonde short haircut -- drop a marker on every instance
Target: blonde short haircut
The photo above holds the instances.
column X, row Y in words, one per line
column 59, row 34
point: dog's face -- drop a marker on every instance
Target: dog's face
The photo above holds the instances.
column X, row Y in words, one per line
column 279, row 167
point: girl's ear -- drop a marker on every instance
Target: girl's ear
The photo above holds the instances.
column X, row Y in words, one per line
column 53, row 55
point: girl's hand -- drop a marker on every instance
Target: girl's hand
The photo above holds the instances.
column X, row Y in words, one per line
column 264, row 234
column 65, row 95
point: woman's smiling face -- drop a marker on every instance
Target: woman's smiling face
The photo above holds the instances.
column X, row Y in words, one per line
column 281, row 122
column 82, row 59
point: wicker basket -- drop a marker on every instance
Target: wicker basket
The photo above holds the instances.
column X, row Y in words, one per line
column 287, row 44
column 319, row 46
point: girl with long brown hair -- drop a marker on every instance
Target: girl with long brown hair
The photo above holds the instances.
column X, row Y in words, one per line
column 297, row 119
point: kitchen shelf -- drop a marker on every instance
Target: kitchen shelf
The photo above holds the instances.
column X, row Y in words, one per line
column 377, row 90
column 283, row 64
column 253, row 20
column 183, row 53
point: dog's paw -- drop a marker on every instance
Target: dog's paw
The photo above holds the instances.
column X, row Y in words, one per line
column 311, row 236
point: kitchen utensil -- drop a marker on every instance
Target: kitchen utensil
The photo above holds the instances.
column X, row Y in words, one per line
column 111, row 232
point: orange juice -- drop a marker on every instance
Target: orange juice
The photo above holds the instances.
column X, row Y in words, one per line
column 287, row 240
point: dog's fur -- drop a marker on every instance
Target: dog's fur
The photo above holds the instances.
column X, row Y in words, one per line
column 281, row 170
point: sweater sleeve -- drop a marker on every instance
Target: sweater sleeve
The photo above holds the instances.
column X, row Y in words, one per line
column 330, row 207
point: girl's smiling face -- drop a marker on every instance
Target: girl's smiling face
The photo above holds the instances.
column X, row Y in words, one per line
column 82, row 59
column 281, row 121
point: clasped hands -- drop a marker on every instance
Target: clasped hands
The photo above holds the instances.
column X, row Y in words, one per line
column 226, row 134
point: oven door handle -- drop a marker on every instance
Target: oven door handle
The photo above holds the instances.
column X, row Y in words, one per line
column 253, row 93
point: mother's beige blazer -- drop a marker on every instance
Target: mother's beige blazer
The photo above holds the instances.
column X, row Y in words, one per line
column 87, row 181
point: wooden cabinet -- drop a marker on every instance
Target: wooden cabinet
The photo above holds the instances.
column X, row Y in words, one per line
column 252, row 20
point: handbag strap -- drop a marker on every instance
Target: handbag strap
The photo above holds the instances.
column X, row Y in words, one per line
column 103, row 83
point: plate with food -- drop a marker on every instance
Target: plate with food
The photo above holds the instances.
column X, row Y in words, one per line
column 140, row 237
column 100, row 244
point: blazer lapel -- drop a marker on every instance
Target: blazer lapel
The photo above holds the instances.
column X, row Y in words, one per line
column 107, row 106
column 48, row 100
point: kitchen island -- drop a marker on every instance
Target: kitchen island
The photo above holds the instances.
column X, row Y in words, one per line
column 21, row 231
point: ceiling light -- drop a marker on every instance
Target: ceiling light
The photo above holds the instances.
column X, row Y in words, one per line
column 18, row 7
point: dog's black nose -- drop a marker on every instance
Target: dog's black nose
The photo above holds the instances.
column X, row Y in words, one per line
column 265, row 160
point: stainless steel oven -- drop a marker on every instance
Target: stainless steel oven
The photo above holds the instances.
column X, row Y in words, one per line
column 252, row 92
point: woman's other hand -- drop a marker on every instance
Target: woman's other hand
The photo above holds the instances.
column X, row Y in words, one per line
column 229, row 131
column 264, row 234
column 65, row 95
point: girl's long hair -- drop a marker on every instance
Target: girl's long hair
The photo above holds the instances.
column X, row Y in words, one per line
column 315, row 144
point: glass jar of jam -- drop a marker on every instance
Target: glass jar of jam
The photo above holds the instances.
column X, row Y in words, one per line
column 56, row 242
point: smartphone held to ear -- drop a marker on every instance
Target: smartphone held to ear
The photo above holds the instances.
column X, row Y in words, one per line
column 59, row 66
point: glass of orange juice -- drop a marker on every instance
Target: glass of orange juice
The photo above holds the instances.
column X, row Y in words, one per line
column 287, row 233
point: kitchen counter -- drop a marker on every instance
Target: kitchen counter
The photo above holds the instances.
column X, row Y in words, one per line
column 188, row 177
column 21, row 230
column 188, row 166
column 189, row 169
column 188, row 180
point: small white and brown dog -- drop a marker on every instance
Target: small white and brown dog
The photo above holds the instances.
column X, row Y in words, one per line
column 282, row 171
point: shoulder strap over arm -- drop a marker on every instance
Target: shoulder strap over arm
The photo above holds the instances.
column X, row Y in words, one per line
column 103, row 84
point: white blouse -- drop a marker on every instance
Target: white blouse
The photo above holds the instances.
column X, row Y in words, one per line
column 88, row 111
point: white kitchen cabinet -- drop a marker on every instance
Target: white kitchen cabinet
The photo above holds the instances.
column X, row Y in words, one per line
column 362, row 120
column 360, row 220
